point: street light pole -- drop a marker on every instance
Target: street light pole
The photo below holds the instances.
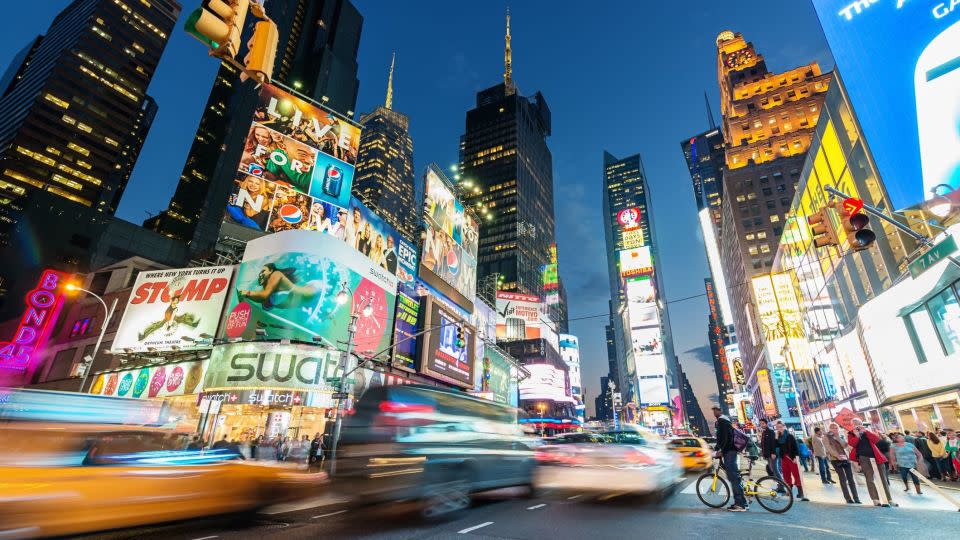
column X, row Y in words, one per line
column 342, row 389
column 108, row 314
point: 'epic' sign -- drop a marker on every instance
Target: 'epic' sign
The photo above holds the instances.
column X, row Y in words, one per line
column 43, row 305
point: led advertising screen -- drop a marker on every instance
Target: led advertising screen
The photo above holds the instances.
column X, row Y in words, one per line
column 521, row 316
column 449, row 259
column 570, row 353
column 767, row 398
column 545, row 382
column 636, row 261
column 167, row 306
column 441, row 357
column 148, row 382
column 287, row 287
column 405, row 327
column 495, row 376
column 653, row 390
column 900, row 63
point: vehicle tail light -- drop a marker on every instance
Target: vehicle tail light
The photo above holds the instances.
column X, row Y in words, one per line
column 698, row 453
column 640, row 458
column 400, row 407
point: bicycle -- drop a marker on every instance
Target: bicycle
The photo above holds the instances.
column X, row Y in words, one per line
column 772, row 493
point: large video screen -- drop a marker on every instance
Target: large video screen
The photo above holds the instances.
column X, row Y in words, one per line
column 405, row 328
column 449, row 259
column 441, row 357
column 545, row 382
column 900, row 63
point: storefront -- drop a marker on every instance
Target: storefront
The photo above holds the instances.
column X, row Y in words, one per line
column 248, row 414
column 933, row 413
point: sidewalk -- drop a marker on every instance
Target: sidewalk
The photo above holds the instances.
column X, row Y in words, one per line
column 817, row 492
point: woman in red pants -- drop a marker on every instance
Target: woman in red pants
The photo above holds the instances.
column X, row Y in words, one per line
column 787, row 452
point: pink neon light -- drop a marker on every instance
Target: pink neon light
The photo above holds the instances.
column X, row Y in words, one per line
column 19, row 357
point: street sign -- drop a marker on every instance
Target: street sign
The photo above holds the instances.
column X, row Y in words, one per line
column 336, row 380
column 340, row 395
column 852, row 205
column 936, row 254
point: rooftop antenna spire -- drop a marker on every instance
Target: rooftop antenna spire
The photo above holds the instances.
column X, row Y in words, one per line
column 389, row 102
column 713, row 124
column 508, row 59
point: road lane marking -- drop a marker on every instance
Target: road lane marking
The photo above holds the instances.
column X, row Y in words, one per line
column 534, row 507
column 573, row 497
column 206, row 538
column 328, row 515
column 612, row 495
column 475, row 527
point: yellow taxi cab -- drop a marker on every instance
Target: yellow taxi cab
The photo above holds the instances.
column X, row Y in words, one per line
column 695, row 453
column 63, row 479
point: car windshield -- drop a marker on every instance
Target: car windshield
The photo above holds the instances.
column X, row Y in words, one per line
column 590, row 438
column 685, row 442
column 627, row 437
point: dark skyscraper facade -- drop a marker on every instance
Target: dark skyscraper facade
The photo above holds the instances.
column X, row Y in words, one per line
column 316, row 56
column 705, row 158
column 385, row 179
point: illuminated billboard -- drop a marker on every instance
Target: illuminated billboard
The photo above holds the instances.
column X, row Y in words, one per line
column 545, row 382
column 180, row 379
column 497, row 377
column 18, row 357
column 570, row 353
column 449, row 259
column 781, row 321
column 629, row 218
column 767, row 398
column 403, row 355
column 900, row 65
column 442, row 357
column 521, row 316
column 653, row 390
column 288, row 286
column 636, row 261
column 173, row 309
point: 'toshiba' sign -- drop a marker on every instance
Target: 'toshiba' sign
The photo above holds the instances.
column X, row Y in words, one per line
column 18, row 356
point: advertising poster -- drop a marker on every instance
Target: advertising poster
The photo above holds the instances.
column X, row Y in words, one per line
column 168, row 305
column 287, row 286
column 676, row 408
column 636, row 262
column 180, row 379
column 545, row 382
column 767, row 398
column 898, row 61
column 277, row 366
column 495, row 375
column 405, row 327
column 449, row 259
column 441, row 357
column 646, row 341
column 521, row 316
column 369, row 234
column 653, row 390
column 570, row 353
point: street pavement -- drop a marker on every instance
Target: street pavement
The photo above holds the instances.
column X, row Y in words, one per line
column 506, row 514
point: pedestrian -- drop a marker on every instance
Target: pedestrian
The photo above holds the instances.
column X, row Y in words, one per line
column 908, row 437
column 195, row 443
column 904, row 457
column 923, row 444
column 316, row 452
column 788, row 451
column 727, row 454
column 768, row 447
column 820, row 453
column 864, row 451
column 952, row 447
column 221, row 444
column 938, row 452
column 838, row 453
column 805, row 454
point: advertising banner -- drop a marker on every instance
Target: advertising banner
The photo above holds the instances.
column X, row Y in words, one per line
column 167, row 306
column 521, row 316
column 496, row 375
column 441, row 357
column 251, row 365
column 653, row 390
column 629, row 218
column 405, row 327
column 148, row 382
column 570, row 353
column 288, row 284
column 781, row 320
column 449, row 260
column 636, row 261
column 898, row 61
column 767, row 398
column 545, row 382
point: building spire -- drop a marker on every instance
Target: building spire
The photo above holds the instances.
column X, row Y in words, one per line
column 713, row 124
column 508, row 59
column 389, row 102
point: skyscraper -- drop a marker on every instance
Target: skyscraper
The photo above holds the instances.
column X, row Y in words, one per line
column 640, row 327
column 768, row 123
column 74, row 114
column 316, row 56
column 385, row 179
column 506, row 173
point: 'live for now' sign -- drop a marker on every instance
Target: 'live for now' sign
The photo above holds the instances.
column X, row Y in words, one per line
column 936, row 254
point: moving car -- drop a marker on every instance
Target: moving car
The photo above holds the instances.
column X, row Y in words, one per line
column 431, row 445
column 695, row 453
column 629, row 460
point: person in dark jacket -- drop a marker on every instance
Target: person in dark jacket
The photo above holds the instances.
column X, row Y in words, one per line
column 787, row 452
column 768, row 448
column 873, row 463
column 727, row 453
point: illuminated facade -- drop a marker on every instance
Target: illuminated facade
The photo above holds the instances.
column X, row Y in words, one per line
column 384, row 179
column 316, row 56
column 768, row 123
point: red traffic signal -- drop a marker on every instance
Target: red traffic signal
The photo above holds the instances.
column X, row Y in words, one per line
column 861, row 237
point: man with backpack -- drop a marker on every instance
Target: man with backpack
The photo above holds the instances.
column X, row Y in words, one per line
column 730, row 442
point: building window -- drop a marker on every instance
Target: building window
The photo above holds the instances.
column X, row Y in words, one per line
column 764, row 179
column 911, row 321
column 81, row 327
column 741, row 198
column 765, row 248
column 771, row 205
column 767, row 192
column 753, row 250
column 774, row 218
column 751, row 195
column 945, row 312
column 748, row 237
column 762, row 235
column 777, row 231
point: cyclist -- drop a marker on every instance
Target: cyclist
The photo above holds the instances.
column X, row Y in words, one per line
column 728, row 458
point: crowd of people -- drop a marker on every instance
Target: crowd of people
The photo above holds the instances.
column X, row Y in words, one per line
column 863, row 449
column 305, row 451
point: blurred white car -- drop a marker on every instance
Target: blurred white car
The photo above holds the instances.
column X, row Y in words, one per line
column 629, row 460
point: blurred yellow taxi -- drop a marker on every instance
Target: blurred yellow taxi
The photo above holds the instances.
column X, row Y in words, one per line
column 65, row 479
column 695, row 453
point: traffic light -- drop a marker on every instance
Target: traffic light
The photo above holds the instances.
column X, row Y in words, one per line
column 821, row 226
column 218, row 25
column 859, row 237
column 461, row 341
column 261, row 52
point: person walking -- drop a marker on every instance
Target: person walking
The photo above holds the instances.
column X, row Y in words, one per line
column 819, row 444
column 838, row 453
column 904, row 457
column 938, row 453
column 787, row 452
column 864, row 451
column 923, row 444
column 805, row 454
column 952, row 447
column 768, row 447
column 727, row 453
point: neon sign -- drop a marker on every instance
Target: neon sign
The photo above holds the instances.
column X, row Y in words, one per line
column 17, row 357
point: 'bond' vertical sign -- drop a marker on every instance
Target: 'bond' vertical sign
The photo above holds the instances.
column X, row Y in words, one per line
column 18, row 357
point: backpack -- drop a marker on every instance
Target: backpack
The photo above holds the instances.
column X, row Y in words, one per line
column 740, row 440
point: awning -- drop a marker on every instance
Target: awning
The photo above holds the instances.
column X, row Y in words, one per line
column 920, row 394
column 950, row 274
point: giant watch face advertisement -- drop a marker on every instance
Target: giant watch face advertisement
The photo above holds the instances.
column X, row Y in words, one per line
column 442, row 357
column 173, row 308
column 900, row 62
column 449, row 260
column 306, row 286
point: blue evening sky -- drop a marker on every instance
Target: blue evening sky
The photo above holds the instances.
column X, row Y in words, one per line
column 620, row 76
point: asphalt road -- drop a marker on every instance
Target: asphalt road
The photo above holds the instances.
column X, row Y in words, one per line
column 554, row 515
